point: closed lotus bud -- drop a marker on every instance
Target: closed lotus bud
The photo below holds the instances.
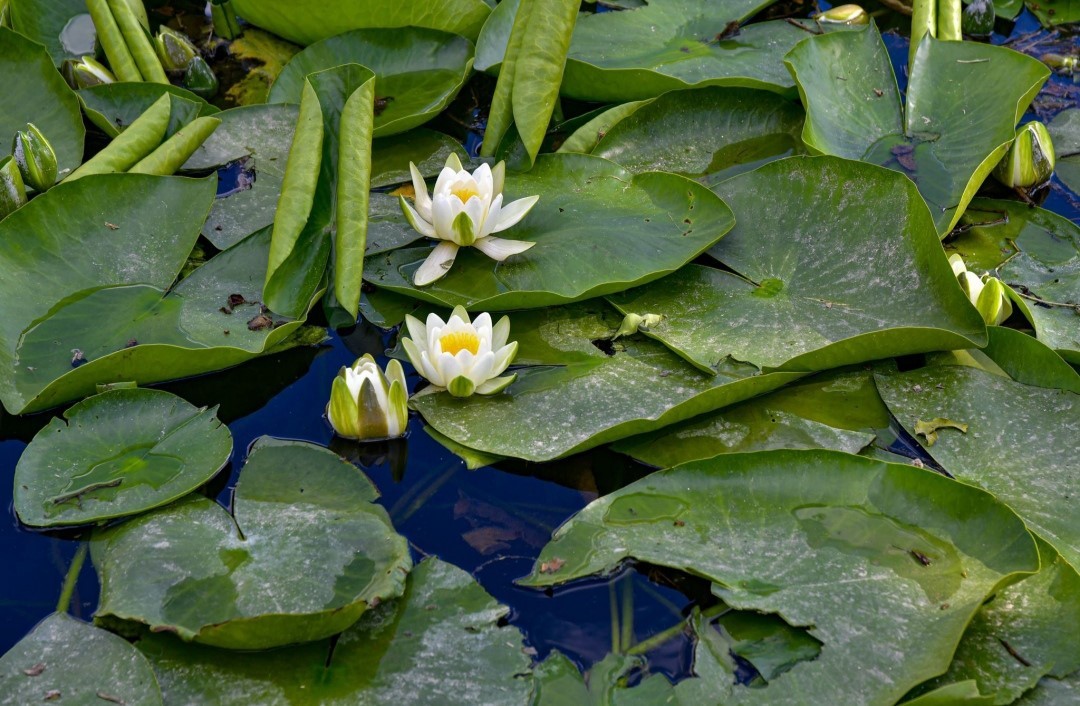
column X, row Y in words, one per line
column 35, row 158
column 86, row 72
column 174, row 49
column 1030, row 160
column 367, row 404
column 12, row 191
column 844, row 15
column 993, row 302
column 200, row 79
column 978, row 18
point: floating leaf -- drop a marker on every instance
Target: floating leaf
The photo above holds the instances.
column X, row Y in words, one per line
column 80, row 663
column 63, row 26
column 598, row 229
column 1065, row 131
column 823, row 539
column 304, row 553
column 812, row 293
column 118, row 453
column 418, row 71
column 114, row 106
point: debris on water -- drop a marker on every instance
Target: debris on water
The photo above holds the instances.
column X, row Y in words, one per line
column 381, row 103
column 77, row 358
column 35, row 671
column 551, row 566
column 260, row 322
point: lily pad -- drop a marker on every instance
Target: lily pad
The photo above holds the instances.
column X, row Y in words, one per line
column 63, row 26
column 79, row 663
column 598, row 229
column 417, row 71
column 708, row 134
column 885, row 563
column 114, row 106
column 1065, row 131
column 443, row 633
column 306, row 23
column 118, row 453
column 963, row 102
column 812, row 293
column 34, row 92
column 838, row 411
column 583, row 389
column 1018, row 444
column 303, row 554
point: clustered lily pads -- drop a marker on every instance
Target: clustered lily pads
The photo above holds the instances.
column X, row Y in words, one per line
column 719, row 267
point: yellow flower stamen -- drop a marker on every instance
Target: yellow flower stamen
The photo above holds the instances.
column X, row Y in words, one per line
column 459, row 341
column 464, row 191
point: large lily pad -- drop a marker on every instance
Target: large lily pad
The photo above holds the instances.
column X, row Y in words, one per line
column 711, row 132
column 118, row 453
column 1018, row 443
column 885, row 563
column 114, row 106
column 304, row 553
column 576, row 396
column 963, row 102
column 1065, row 131
column 63, row 26
column 598, row 229
column 443, row 633
column 79, row 663
column 306, row 23
column 34, row 92
column 417, row 71
column 812, row 293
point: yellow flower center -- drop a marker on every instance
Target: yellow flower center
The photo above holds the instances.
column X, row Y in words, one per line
column 464, row 191
column 459, row 341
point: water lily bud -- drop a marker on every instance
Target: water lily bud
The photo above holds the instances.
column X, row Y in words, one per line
column 1030, row 160
column 1063, row 64
column 462, row 356
column 957, row 264
column 35, row 158
column 367, row 403
column 978, row 18
column 174, row 49
column 200, row 79
column 86, row 72
column 12, row 191
column 844, row 15
column 993, row 302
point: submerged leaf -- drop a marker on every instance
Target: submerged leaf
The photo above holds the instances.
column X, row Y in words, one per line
column 929, row 429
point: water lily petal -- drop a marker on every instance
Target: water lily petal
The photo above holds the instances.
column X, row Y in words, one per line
column 415, row 219
column 461, row 386
column 447, row 366
column 495, row 385
column 513, row 212
column 500, row 332
column 352, row 381
column 413, row 353
column 446, row 178
column 417, row 330
column 501, row 248
column 466, row 360
column 398, row 413
column 484, row 182
column 395, row 373
column 483, row 327
column 498, row 175
column 453, row 162
column 342, row 410
column 461, row 314
column 480, row 371
column 443, row 211
column 492, row 216
column 437, row 264
column 422, row 200
column 464, row 227
column 429, row 371
column 503, row 357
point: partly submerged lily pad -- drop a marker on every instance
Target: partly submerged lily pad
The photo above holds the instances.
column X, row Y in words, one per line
column 1019, row 444
column 63, row 26
column 598, row 229
column 79, row 663
column 886, row 563
column 1065, row 131
column 118, row 453
column 963, row 102
column 304, row 553
column 811, row 293
column 440, row 643
column 583, row 389
column 417, row 71
column 114, row 106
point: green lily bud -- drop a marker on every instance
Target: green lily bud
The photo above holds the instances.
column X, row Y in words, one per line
column 174, row 49
column 844, row 15
column 957, row 264
column 367, row 404
column 200, row 79
column 978, row 18
column 35, row 158
column 86, row 72
column 1063, row 64
column 1030, row 160
column 12, row 191
column 993, row 302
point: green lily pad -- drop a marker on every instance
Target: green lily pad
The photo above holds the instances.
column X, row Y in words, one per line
column 963, row 102
column 118, row 453
column 598, row 229
column 427, row 149
column 1065, row 131
column 417, row 71
column 885, row 563
column 1054, row 692
column 711, row 132
column 672, row 44
column 305, row 552
column 114, row 106
column 1025, row 632
column 1037, row 253
column 576, row 396
column 63, row 26
column 1018, row 443
column 838, row 411
column 306, row 23
column 495, row 35
column 812, row 293
column 78, row 662
column 34, row 92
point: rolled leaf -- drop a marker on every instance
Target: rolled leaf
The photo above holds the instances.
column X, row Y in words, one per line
column 134, row 143
column 501, row 112
column 949, row 17
column 171, row 154
column 923, row 22
column 112, row 41
column 138, row 43
column 353, row 185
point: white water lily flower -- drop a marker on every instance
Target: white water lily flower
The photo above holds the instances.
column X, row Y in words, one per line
column 367, row 404
column 462, row 356
column 464, row 209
